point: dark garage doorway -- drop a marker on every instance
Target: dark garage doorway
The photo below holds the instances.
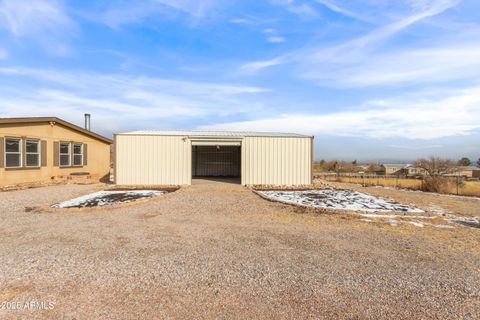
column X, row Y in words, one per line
column 216, row 161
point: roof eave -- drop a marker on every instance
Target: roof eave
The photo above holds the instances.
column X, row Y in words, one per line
column 59, row 121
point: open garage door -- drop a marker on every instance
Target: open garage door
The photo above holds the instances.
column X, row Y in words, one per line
column 216, row 160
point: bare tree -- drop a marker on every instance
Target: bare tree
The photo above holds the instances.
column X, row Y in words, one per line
column 435, row 166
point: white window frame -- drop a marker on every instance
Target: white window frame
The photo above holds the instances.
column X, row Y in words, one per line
column 39, row 153
column 60, row 154
column 5, row 152
column 77, row 154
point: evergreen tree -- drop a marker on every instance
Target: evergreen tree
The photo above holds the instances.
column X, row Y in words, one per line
column 464, row 162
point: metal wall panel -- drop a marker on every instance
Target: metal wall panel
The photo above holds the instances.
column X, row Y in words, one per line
column 213, row 161
column 153, row 160
column 276, row 161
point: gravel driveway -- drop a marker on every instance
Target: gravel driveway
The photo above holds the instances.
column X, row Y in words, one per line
column 217, row 250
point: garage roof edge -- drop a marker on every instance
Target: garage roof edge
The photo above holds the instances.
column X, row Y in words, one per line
column 215, row 134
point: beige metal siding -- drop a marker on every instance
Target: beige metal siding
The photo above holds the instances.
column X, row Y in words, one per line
column 153, row 160
column 276, row 160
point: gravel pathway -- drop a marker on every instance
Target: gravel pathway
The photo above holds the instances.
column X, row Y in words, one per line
column 217, row 250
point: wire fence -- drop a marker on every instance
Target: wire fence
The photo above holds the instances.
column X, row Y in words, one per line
column 453, row 185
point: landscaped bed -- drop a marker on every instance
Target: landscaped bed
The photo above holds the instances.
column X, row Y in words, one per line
column 337, row 199
column 108, row 198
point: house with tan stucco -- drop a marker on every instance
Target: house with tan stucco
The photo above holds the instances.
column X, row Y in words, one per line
column 46, row 149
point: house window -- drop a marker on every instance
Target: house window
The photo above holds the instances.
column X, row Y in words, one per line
column 32, row 153
column 65, row 158
column 77, row 154
column 13, row 153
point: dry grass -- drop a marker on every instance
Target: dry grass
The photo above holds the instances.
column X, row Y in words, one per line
column 468, row 188
column 471, row 188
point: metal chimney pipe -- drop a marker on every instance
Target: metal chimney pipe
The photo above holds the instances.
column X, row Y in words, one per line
column 87, row 121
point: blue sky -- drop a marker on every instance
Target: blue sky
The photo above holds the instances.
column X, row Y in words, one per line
column 371, row 79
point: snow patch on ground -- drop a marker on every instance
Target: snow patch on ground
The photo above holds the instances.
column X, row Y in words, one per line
column 107, row 198
column 338, row 199
column 444, row 226
column 392, row 222
column 417, row 223
column 381, row 216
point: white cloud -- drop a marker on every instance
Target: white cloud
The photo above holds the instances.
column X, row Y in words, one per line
column 338, row 9
column 272, row 36
column 32, row 17
column 413, row 117
column 410, row 147
column 197, row 8
column 276, row 39
column 316, row 61
column 119, row 98
column 241, row 21
column 255, row 66
column 303, row 10
column 452, row 62
column 131, row 11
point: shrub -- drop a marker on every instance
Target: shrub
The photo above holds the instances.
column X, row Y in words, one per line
column 438, row 184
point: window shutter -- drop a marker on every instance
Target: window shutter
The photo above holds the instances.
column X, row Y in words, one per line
column 43, row 151
column 24, row 152
column 56, row 153
column 2, row 152
column 85, row 155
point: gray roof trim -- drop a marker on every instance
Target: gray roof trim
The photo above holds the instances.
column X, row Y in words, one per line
column 217, row 134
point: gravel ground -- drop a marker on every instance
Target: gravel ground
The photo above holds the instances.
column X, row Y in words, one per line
column 216, row 250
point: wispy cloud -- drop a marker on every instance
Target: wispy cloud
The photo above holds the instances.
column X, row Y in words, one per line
column 241, row 21
column 23, row 18
column 131, row 11
column 255, row 66
column 435, row 64
column 44, row 23
column 153, row 102
column 303, row 10
column 300, row 8
column 343, row 11
column 273, row 36
column 318, row 60
column 414, row 117
column 411, row 147
column 276, row 39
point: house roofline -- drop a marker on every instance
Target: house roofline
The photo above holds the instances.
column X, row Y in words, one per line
column 58, row 121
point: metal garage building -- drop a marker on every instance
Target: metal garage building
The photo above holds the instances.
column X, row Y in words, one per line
column 175, row 157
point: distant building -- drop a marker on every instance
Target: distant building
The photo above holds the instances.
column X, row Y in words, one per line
column 403, row 170
column 413, row 171
column 467, row 172
column 395, row 169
